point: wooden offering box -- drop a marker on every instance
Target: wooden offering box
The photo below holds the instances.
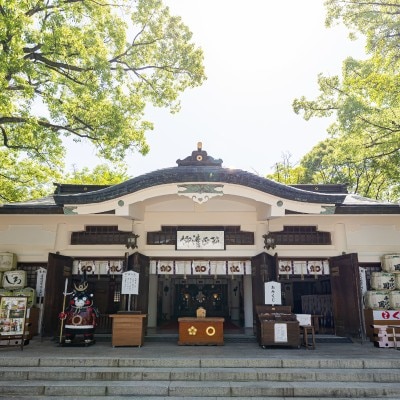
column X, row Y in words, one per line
column 128, row 329
column 201, row 331
column 280, row 333
column 277, row 326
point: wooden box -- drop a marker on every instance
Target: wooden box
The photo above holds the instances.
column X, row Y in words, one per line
column 201, row 331
column 279, row 333
column 273, row 310
column 128, row 329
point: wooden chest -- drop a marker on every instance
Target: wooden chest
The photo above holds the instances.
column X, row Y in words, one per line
column 279, row 333
column 128, row 329
column 201, row 331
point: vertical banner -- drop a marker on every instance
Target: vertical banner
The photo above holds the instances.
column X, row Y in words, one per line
column 40, row 287
column 273, row 293
column 40, row 281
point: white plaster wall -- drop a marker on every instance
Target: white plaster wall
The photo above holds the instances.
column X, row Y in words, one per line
column 33, row 237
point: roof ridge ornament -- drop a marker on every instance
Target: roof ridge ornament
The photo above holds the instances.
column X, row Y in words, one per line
column 199, row 157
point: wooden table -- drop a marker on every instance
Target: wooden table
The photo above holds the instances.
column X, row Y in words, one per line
column 201, row 331
column 128, row 329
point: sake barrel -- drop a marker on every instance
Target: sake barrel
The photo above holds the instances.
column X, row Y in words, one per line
column 394, row 299
column 377, row 300
column 8, row 261
column 6, row 292
column 28, row 292
column 383, row 281
column 391, row 263
column 14, row 279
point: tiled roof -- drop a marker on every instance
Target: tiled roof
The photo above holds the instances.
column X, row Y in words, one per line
column 208, row 174
column 199, row 167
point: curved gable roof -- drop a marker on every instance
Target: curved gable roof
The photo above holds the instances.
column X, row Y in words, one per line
column 199, row 167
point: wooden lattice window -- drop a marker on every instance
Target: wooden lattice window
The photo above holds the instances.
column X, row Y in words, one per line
column 31, row 272
column 234, row 236
column 301, row 235
column 167, row 236
column 99, row 235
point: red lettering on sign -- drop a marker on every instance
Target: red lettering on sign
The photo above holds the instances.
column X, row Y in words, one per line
column 396, row 315
column 385, row 315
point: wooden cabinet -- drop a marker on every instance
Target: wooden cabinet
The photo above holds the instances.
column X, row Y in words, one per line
column 128, row 329
column 201, row 331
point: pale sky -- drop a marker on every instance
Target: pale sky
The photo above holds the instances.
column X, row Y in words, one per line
column 259, row 56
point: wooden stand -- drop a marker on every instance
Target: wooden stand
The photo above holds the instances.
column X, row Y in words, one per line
column 128, row 329
column 201, row 331
column 307, row 330
column 13, row 321
column 375, row 318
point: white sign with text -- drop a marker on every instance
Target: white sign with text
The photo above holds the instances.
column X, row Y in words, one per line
column 273, row 293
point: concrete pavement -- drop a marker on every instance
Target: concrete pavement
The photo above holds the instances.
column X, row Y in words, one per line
column 48, row 348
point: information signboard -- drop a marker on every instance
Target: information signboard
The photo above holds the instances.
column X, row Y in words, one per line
column 130, row 283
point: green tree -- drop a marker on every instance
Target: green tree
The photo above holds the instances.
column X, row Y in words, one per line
column 364, row 100
column 85, row 69
column 287, row 172
column 101, row 174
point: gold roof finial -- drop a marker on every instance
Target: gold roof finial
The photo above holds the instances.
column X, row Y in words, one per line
column 199, row 146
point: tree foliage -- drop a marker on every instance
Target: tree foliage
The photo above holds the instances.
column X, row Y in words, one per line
column 86, row 69
column 335, row 161
column 287, row 172
column 365, row 101
column 101, row 174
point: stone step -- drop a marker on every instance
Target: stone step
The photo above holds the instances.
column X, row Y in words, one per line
column 199, row 374
column 188, row 398
column 182, row 389
column 305, row 362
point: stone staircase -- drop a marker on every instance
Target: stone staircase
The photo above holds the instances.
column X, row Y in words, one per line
column 208, row 378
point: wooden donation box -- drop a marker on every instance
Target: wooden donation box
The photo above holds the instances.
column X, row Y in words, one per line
column 201, row 331
column 277, row 326
column 128, row 329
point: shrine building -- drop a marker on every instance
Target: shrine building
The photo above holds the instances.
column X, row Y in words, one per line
column 203, row 235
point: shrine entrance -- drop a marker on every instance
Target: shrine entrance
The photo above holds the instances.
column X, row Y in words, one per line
column 219, row 296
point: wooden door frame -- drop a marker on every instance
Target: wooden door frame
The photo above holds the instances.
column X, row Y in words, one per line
column 344, row 272
column 141, row 264
column 263, row 269
column 59, row 268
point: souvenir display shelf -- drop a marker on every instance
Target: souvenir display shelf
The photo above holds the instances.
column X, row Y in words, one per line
column 201, row 331
column 277, row 326
column 12, row 321
column 128, row 329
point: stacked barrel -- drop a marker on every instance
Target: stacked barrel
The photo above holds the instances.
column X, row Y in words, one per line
column 13, row 281
column 385, row 285
column 382, row 303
